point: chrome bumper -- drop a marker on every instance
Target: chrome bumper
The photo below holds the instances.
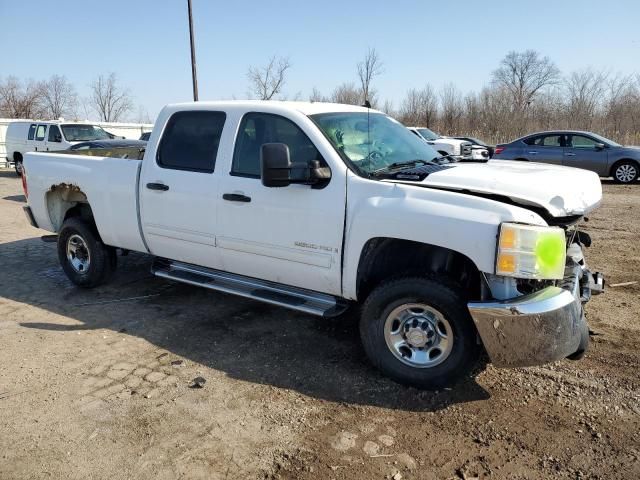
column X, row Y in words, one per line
column 541, row 327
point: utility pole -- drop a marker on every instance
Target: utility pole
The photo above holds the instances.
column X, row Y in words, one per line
column 194, row 75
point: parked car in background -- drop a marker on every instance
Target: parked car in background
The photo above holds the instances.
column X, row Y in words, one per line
column 458, row 149
column 576, row 149
column 45, row 136
column 477, row 141
column 102, row 144
column 145, row 136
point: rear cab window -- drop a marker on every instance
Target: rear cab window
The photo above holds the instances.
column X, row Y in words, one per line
column 190, row 141
column 259, row 128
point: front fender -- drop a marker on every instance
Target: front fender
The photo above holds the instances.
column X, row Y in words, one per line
column 463, row 223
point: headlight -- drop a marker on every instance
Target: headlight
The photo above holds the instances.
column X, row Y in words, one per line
column 525, row 251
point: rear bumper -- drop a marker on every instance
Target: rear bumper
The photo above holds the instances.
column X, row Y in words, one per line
column 541, row 327
column 29, row 214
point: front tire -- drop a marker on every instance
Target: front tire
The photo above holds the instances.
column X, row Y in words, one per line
column 418, row 331
column 84, row 258
column 626, row 172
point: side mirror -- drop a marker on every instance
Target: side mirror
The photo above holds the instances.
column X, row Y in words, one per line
column 277, row 170
column 57, row 138
column 600, row 146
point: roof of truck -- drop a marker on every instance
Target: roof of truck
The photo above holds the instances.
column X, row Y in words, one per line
column 307, row 108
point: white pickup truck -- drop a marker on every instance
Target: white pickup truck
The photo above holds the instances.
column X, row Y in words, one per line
column 317, row 207
column 462, row 150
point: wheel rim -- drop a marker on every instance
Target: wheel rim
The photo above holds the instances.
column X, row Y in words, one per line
column 626, row 173
column 78, row 254
column 19, row 167
column 418, row 335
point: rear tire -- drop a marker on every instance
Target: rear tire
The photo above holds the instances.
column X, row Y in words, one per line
column 418, row 331
column 17, row 163
column 625, row 172
column 86, row 261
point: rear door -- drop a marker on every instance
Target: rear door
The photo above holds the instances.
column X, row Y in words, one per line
column 583, row 152
column 290, row 235
column 548, row 148
column 178, row 188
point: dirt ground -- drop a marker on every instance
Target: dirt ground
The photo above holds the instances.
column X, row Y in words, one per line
column 95, row 384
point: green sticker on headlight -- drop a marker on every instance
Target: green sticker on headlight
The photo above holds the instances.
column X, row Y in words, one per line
column 550, row 254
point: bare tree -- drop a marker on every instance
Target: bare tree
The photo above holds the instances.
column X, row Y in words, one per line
column 524, row 74
column 267, row 82
column 316, row 96
column 369, row 68
column 420, row 107
column 59, row 97
column 108, row 99
column 452, row 109
column 584, row 90
column 346, row 93
column 18, row 100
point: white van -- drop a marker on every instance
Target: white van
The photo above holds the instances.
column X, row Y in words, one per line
column 45, row 136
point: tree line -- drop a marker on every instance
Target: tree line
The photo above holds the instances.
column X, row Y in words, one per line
column 527, row 92
column 57, row 97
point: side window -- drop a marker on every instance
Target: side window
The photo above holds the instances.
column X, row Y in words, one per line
column 578, row 141
column 259, row 128
column 532, row 140
column 32, row 131
column 551, row 141
column 41, row 132
column 190, row 141
column 54, row 134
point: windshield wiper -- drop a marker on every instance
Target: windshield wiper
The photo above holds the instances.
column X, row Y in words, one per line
column 401, row 165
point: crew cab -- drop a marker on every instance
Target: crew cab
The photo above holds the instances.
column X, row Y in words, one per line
column 461, row 150
column 318, row 207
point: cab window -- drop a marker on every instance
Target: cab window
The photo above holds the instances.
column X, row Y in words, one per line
column 259, row 128
column 190, row 141
column 40, row 132
column 54, row 134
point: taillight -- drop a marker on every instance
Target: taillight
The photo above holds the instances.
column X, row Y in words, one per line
column 24, row 182
column 498, row 150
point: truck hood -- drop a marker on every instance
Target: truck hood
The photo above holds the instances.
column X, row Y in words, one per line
column 562, row 191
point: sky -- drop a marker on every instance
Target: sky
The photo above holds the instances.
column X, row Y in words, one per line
column 146, row 42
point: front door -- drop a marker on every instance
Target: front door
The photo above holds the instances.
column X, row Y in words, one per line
column 178, row 189
column 290, row 235
column 54, row 139
column 585, row 152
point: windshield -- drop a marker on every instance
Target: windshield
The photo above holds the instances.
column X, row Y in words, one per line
column 83, row 133
column 602, row 139
column 384, row 143
column 428, row 134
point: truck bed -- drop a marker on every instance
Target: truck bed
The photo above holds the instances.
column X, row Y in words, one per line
column 109, row 184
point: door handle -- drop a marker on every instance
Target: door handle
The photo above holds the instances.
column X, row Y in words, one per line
column 533, row 153
column 569, row 154
column 236, row 197
column 158, row 186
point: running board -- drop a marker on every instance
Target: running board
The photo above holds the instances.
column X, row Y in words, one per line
column 294, row 298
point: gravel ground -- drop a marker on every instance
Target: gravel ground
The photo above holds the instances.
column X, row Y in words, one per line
column 96, row 384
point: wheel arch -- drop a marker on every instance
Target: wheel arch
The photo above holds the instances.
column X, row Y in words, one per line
column 64, row 201
column 621, row 160
column 383, row 258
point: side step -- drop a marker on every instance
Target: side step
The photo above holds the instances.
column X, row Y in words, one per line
column 294, row 298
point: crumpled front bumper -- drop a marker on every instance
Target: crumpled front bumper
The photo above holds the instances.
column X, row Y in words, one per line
column 540, row 327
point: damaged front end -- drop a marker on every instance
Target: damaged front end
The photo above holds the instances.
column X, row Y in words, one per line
column 539, row 321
